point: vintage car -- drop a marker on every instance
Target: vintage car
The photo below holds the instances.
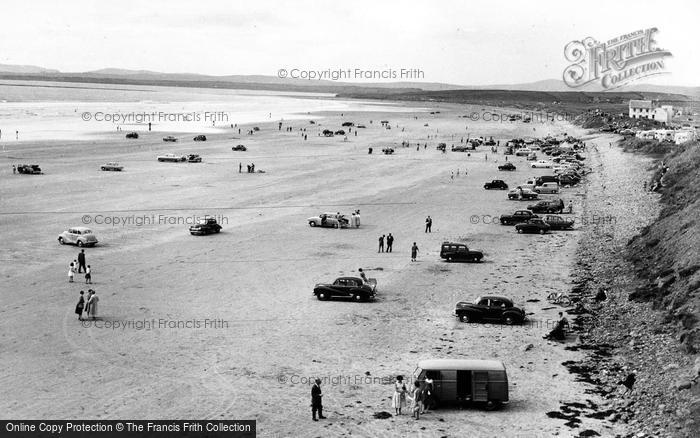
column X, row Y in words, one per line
column 347, row 287
column 533, row 226
column 507, row 166
column 388, row 151
column 496, row 184
column 132, row 135
column 194, row 158
column 170, row 138
column 112, row 167
column 239, row 147
column 548, row 188
column 532, row 156
column 568, row 180
column 204, row 226
column 29, row 169
column 462, row 148
column 465, row 381
column 172, row 158
column 541, row 164
column 200, row 137
column 80, row 236
column 522, row 194
column 517, row 217
column 459, row 252
column 523, row 152
column 329, row 220
column 546, row 178
column 549, row 206
column 558, row 223
column 490, row 308
column 441, row 147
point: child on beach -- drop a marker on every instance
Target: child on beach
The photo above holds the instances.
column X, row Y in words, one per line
column 88, row 275
column 71, row 273
column 80, row 306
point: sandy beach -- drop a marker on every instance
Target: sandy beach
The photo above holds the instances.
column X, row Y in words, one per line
column 251, row 336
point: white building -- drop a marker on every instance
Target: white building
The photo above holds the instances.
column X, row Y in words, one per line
column 681, row 137
column 646, row 109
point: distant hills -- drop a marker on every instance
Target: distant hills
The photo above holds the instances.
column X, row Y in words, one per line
column 273, row 83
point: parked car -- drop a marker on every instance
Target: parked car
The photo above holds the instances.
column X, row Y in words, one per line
column 568, row 180
column 329, row 220
column 459, row 252
column 204, row 226
column 548, row 206
column 239, row 147
column 533, row 226
column 517, row 217
column 112, row 166
column 546, row 178
column 496, row 184
column 532, row 156
column 347, row 287
column 548, row 188
column 541, row 164
column 80, row 236
column 559, row 223
column 522, row 194
column 461, row 381
column 172, row 158
column 523, row 152
column 441, row 146
column 200, row 137
column 194, row 158
column 462, row 148
column 132, row 135
column 29, row 169
column 507, row 166
column 388, row 151
column 490, row 308
column 170, row 138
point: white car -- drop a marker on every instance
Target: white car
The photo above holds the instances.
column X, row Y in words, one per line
column 524, row 152
column 172, row 158
column 329, row 220
column 542, row 164
column 80, row 236
column 548, row 187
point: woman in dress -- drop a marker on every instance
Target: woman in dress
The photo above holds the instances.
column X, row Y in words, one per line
column 71, row 273
column 80, row 306
column 416, row 400
column 399, row 400
column 92, row 305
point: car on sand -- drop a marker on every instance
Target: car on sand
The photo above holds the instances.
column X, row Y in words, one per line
column 459, row 252
column 547, row 188
column 553, row 206
column 329, row 220
column 169, row 138
column 80, row 236
column 200, row 137
column 542, row 164
column 194, row 158
column 132, row 135
column 517, row 217
column 496, row 184
column 533, row 226
column 239, row 147
column 172, row 158
column 559, row 223
column 204, row 226
column 347, row 287
column 507, row 166
column 522, row 194
column 114, row 167
column 490, row 308
column 29, row 169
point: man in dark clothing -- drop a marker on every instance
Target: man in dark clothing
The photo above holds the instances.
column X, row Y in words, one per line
column 428, row 224
column 317, row 401
column 81, row 261
column 389, row 242
column 381, row 243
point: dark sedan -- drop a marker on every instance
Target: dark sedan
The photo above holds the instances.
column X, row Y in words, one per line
column 533, row 226
column 490, row 308
column 347, row 287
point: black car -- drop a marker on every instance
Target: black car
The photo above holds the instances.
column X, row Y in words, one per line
column 559, row 223
column 441, row 146
column 29, row 169
column 507, row 166
column 200, row 138
column 132, row 135
column 496, row 184
column 554, row 206
column 207, row 225
column 490, row 308
column 459, row 252
column 517, row 217
column 347, row 287
column 546, row 178
column 239, row 147
column 533, row 226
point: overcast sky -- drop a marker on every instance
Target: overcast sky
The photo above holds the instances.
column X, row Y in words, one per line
column 459, row 42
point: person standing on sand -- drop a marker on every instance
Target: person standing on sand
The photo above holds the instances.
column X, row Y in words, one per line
column 428, row 224
column 81, row 261
column 389, row 242
column 14, row 170
column 381, row 243
column 88, row 275
column 357, row 216
column 80, row 306
column 317, row 401
column 427, row 395
column 416, row 401
column 414, row 252
column 398, row 401
column 87, row 301
column 240, row 167
column 92, row 305
column 71, row 273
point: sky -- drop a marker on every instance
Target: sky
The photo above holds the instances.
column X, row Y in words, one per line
column 457, row 42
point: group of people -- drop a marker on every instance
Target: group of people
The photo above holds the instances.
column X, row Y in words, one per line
column 420, row 397
column 87, row 304
column 389, row 243
column 355, row 219
column 79, row 266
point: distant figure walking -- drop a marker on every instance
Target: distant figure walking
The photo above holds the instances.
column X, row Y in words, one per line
column 88, row 275
column 71, row 273
column 428, row 224
column 92, row 304
column 381, row 243
column 414, row 252
column 317, row 401
column 389, row 242
column 80, row 306
column 81, row 261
